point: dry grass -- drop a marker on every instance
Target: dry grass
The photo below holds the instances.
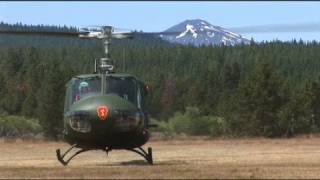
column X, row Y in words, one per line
column 196, row 158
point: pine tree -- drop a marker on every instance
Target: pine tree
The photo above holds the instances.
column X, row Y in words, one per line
column 259, row 99
column 168, row 96
column 32, row 79
column 295, row 117
column 51, row 102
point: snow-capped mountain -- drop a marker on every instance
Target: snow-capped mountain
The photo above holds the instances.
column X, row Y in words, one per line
column 199, row 32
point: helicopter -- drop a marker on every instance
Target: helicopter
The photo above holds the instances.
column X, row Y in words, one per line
column 104, row 110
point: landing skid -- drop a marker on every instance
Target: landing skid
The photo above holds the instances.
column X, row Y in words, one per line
column 61, row 157
column 146, row 155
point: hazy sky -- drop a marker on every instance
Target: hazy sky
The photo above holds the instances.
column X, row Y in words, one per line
column 158, row 16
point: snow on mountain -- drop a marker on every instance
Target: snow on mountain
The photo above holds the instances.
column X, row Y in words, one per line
column 199, row 32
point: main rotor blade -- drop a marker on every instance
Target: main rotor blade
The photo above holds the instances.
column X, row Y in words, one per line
column 123, row 35
column 85, row 34
column 278, row 28
column 173, row 33
column 122, row 30
column 43, row 33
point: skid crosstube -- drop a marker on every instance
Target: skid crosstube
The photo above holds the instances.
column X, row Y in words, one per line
column 146, row 155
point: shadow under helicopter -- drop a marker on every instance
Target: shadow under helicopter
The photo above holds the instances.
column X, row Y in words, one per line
column 142, row 163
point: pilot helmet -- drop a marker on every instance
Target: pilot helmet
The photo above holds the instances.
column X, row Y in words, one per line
column 83, row 87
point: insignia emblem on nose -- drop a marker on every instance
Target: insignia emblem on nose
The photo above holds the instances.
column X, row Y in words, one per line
column 102, row 112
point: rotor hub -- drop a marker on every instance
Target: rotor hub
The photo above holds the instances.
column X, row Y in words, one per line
column 106, row 65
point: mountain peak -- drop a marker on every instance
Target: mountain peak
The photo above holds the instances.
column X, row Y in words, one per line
column 200, row 32
column 196, row 21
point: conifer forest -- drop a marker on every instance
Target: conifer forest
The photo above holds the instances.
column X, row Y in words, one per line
column 269, row 89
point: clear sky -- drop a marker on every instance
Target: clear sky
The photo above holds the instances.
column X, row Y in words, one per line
column 158, row 16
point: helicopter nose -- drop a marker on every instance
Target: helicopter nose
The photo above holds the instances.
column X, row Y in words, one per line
column 106, row 114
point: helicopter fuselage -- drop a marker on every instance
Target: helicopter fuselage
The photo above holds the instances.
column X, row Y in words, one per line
column 112, row 116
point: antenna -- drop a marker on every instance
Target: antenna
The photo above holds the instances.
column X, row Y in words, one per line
column 95, row 65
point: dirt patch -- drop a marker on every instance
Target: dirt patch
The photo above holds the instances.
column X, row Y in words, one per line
column 196, row 158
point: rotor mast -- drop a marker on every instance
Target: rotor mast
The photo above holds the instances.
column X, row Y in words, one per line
column 106, row 64
column 105, row 33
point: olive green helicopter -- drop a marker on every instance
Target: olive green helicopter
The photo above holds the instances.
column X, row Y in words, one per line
column 104, row 110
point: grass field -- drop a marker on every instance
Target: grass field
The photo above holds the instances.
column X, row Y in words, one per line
column 195, row 158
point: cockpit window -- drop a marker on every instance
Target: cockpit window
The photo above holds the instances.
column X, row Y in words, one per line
column 122, row 87
column 85, row 87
